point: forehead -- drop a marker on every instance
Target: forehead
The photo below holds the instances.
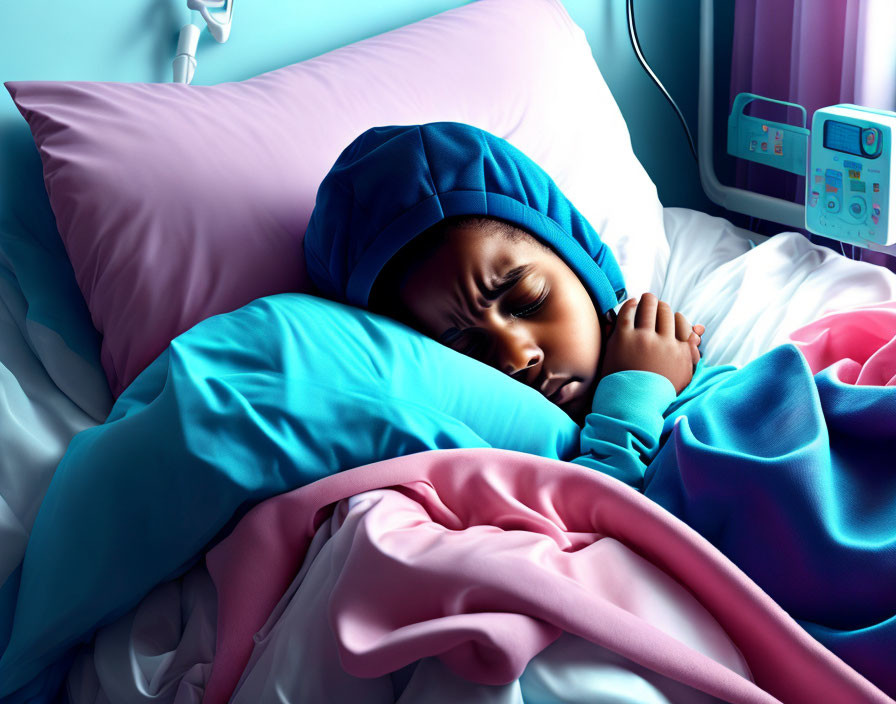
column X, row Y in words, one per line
column 484, row 247
column 466, row 259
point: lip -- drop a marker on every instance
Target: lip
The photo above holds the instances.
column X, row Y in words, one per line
column 568, row 389
column 552, row 385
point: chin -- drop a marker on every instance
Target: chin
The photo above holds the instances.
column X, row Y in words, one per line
column 579, row 407
column 577, row 410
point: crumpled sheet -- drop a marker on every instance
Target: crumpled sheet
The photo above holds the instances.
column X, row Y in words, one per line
column 858, row 344
column 750, row 300
column 49, row 392
column 482, row 558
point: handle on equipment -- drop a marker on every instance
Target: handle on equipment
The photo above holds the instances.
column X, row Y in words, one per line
column 218, row 23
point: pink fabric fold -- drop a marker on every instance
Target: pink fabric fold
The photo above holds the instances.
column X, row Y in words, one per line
column 484, row 556
column 859, row 343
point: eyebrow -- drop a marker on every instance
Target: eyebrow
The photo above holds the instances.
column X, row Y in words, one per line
column 503, row 284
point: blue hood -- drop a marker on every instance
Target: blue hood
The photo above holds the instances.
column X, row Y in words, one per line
column 392, row 183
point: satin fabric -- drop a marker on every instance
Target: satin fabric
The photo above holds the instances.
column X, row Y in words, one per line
column 407, row 573
column 85, row 537
column 245, row 405
column 713, row 272
column 772, row 464
column 482, row 557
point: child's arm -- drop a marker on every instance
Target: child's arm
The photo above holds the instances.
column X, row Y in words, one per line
column 622, row 433
column 650, row 358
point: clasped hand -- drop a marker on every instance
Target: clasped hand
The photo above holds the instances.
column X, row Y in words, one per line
column 649, row 337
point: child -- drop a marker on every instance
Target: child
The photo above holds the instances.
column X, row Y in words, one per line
column 462, row 236
column 494, row 292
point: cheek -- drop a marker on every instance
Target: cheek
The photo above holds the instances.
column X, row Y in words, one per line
column 577, row 338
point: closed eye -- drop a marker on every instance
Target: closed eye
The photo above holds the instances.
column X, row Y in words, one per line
column 470, row 342
column 532, row 308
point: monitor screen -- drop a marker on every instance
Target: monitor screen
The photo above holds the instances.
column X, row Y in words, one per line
column 843, row 137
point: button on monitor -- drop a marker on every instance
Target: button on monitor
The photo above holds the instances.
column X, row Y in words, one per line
column 871, row 141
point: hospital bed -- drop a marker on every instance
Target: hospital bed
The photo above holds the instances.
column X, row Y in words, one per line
column 57, row 382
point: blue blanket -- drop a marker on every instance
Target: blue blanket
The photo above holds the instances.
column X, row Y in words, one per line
column 789, row 474
column 243, row 406
column 793, row 477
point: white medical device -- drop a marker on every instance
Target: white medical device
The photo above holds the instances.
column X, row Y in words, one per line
column 218, row 23
column 851, row 177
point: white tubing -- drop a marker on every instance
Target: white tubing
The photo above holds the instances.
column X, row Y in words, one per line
column 184, row 64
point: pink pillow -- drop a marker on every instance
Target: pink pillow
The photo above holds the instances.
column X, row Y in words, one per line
column 178, row 202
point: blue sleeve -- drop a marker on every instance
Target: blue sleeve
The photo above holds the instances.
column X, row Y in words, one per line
column 622, row 433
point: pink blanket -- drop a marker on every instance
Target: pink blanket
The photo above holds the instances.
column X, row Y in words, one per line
column 860, row 343
column 483, row 557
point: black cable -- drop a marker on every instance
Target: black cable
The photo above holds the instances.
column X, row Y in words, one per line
column 636, row 46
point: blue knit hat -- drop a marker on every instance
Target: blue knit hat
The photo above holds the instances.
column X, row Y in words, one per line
column 392, row 183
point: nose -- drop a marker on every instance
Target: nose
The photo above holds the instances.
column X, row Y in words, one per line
column 516, row 350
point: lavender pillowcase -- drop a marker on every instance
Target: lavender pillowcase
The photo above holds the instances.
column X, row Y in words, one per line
column 176, row 203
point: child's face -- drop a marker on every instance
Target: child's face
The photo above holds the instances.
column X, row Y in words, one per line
column 515, row 306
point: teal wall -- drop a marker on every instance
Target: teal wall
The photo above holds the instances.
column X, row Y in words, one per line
column 669, row 35
column 135, row 41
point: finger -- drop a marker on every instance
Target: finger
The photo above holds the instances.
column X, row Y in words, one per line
column 683, row 329
column 645, row 316
column 665, row 320
column 625, row 319
column 694, row 341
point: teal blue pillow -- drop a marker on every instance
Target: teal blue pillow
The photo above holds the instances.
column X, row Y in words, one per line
column 305, row 378
column 243, row 406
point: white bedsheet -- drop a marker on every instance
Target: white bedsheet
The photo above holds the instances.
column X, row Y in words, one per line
column 37, row 419
column 749, row 298
column 296, row 657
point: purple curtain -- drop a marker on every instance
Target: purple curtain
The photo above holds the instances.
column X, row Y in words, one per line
column 814, row 53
